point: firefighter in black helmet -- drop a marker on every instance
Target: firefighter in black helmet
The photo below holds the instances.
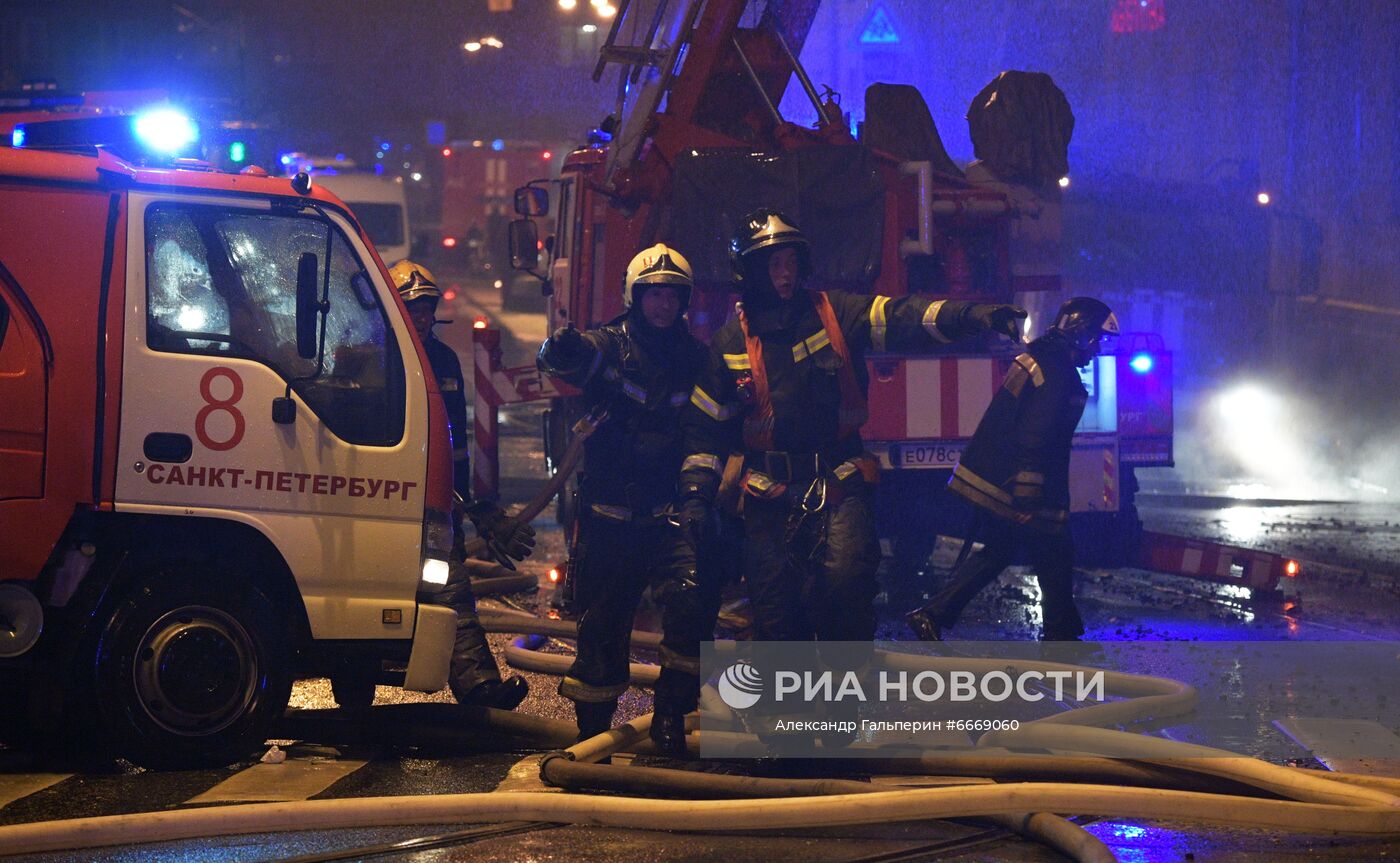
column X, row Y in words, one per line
column 640, row 369
column 785, row 385
column 474, row 677
column 1015, row 470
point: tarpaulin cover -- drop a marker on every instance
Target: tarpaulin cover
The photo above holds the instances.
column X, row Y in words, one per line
column 897, row 121
column 834, row 194
column 1021, row 124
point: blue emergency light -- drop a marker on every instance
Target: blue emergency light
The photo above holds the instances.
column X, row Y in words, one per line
column 165, row 130
column 1141, row 363
column 161, row 133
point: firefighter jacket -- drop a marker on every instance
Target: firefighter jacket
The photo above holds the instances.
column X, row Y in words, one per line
column 448, row 371
column 643, row 377
column 1017, row 463
column 813, row 411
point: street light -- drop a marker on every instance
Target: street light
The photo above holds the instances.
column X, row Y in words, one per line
column 472, row 47
column 606, row 10
column 568, row 5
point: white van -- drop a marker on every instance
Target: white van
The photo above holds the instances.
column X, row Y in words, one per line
column 380, row 206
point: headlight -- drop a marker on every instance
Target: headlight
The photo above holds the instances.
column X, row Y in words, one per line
column 435, row 571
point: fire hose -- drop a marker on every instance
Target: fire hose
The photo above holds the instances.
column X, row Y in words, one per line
column 1109, row 773
column 489, row 577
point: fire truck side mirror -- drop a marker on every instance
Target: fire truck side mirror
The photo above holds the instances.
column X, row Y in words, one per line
column 308, row 306
column 532, row 201
column 524, row 245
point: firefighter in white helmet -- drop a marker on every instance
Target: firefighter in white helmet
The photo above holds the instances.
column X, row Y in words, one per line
column 640, row 368
column 474, row 678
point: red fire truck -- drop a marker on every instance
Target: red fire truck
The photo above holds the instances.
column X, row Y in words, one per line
column 223, row 462
column 478, row 180
column 699, row 141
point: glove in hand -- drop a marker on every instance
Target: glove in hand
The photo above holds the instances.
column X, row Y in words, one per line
column 508, row 539
column 998, row 318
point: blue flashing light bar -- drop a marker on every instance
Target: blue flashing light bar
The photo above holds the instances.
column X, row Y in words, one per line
column 17, row 137
column 1141, row 363
column 165, row 130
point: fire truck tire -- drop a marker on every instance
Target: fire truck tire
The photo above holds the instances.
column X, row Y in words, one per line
column 192, row 673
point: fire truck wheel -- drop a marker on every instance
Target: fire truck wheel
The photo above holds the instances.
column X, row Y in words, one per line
column 192, row 674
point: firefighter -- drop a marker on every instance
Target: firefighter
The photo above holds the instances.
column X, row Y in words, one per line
column 785, row 385
column 1015, row 471
column 474, row 677
column 640, row 369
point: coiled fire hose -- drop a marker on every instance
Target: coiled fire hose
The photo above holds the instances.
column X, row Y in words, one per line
column 1174, row 782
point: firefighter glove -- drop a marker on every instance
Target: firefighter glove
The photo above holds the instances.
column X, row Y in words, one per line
column 508, row 539
column 997, row 318
column 567, row 346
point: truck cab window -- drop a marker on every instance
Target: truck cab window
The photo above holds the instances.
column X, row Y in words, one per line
column 222, row 282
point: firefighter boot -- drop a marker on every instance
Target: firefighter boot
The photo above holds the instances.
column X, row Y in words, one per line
column 500, row 694
column 594, row 717
column 668, row 733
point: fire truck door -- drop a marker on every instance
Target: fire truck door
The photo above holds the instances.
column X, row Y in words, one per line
column 211, row 345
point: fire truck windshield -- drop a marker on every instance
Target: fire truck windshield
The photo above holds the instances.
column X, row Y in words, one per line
column 222, row 281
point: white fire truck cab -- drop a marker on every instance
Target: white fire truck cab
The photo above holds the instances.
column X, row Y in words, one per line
column 223, row 464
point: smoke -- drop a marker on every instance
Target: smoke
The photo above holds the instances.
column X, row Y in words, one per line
column 1266, row 439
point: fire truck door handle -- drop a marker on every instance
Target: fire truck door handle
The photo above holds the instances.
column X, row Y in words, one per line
column 168, row 446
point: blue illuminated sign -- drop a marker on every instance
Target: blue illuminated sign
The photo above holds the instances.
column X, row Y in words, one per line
column 879, row 28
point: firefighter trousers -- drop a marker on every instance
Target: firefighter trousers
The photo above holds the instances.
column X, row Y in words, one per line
column 1051, row 555
column 798, row 591
column 472, row 662
column 618, row 560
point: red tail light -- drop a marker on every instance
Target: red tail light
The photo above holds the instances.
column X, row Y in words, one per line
column 553, row 575
column 1291, row 569
column 449, row 242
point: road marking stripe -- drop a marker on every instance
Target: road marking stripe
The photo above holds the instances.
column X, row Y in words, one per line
column 293, row 779
column 1346, row 745
column 14, row 786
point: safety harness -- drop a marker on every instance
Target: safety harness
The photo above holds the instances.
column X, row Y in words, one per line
column 758, row 424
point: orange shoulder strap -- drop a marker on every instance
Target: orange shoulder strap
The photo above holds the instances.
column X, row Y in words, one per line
column 758, row 422
column 854, row 410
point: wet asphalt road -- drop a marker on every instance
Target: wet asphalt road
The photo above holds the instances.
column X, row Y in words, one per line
column 1351, row 593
